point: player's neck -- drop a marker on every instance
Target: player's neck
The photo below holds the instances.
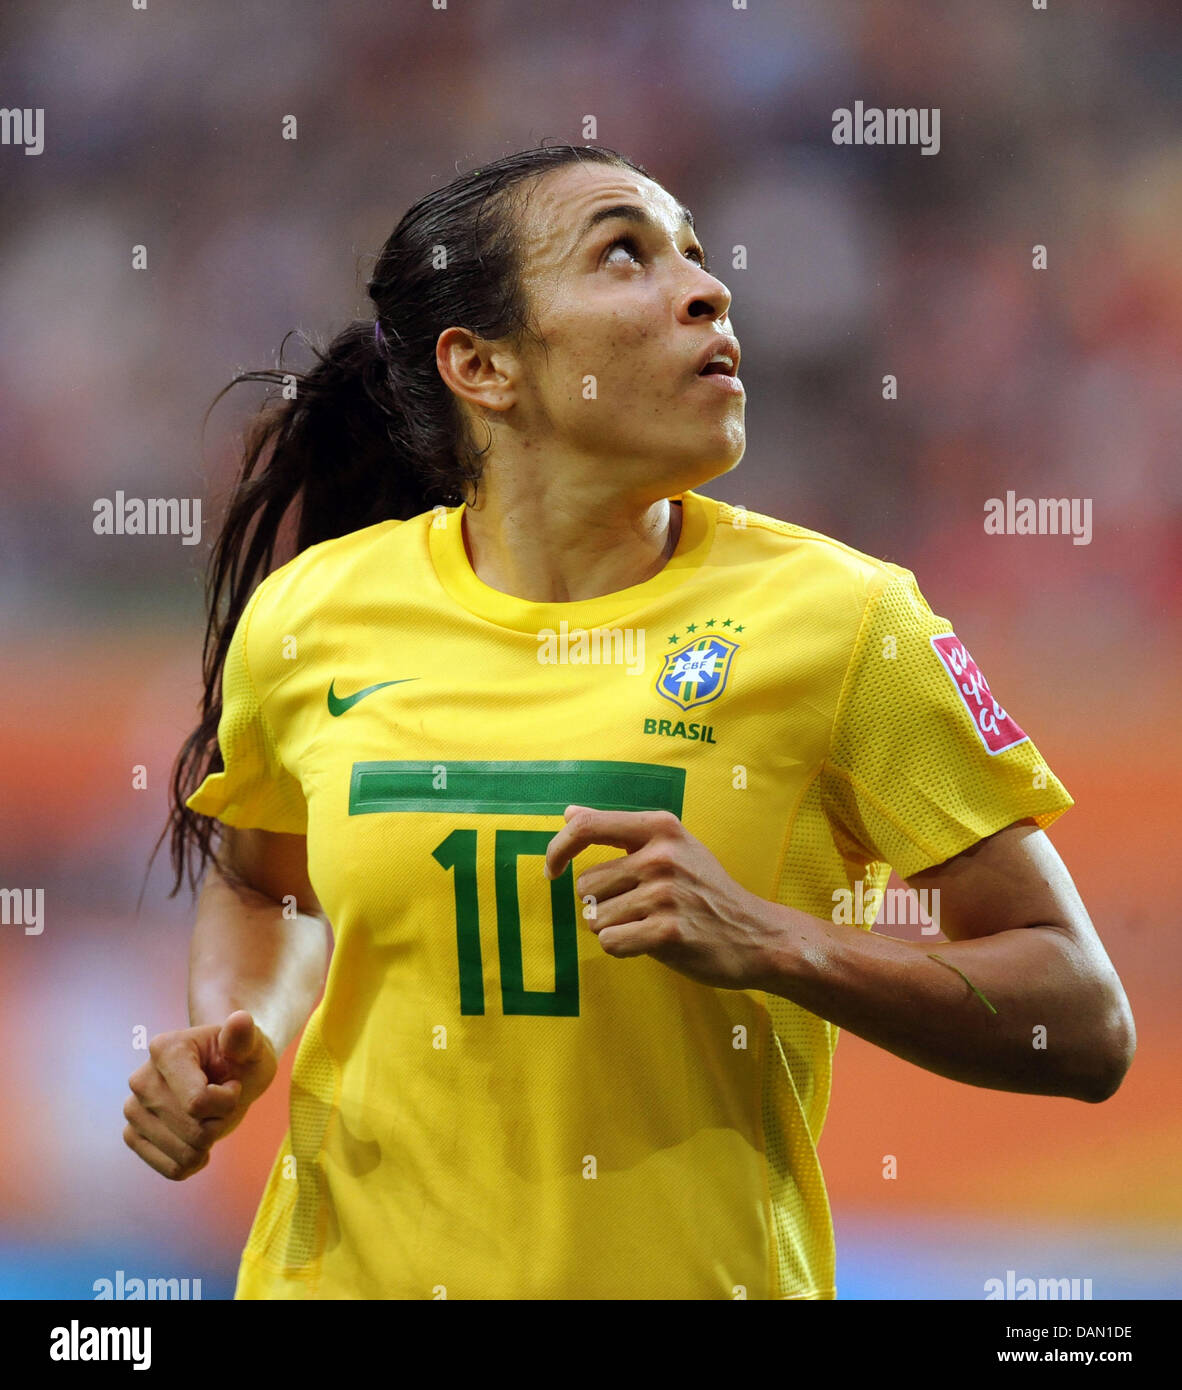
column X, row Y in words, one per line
column 540, row 552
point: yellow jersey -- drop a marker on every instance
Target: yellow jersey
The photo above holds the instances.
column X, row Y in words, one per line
column 485, row 1104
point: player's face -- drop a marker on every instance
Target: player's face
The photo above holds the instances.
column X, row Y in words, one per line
column 628, row 315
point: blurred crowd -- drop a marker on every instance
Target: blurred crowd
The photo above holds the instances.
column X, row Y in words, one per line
column 163, row 129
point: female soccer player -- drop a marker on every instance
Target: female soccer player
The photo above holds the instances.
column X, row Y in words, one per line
column 513, row 642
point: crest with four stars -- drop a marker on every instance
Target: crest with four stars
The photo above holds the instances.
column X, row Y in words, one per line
column 696, row 672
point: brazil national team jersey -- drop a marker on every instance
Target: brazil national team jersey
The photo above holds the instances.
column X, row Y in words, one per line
column 485, row 1104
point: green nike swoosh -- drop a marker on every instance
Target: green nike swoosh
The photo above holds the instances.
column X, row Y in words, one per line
column 337, row 704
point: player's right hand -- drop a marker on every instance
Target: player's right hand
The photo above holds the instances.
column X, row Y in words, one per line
column 194, row 1089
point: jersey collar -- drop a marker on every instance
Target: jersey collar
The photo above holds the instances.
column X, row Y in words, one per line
column 454, row 570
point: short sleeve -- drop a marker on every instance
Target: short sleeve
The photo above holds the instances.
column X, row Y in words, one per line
column 924, row 761
column 254, row 790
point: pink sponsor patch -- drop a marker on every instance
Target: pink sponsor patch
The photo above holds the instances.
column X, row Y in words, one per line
column 997, row 731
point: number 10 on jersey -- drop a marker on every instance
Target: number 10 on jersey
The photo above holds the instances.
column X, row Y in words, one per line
column 512, row 788
column 458, row 852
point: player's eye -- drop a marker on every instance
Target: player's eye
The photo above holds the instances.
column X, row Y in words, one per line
column 628, row 243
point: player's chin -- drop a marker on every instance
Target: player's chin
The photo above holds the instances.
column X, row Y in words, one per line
column 724, row 454
column 693, row 454
column 723, row 433
column 733, row 456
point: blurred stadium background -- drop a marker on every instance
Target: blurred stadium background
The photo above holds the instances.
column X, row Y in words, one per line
column 163, row 128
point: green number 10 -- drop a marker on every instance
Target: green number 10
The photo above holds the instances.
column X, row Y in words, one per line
column 458, row 852
column 512, row 788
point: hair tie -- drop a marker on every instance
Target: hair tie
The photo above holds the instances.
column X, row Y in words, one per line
column 377, row 332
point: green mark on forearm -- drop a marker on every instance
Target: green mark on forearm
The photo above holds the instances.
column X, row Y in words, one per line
column 966, row 979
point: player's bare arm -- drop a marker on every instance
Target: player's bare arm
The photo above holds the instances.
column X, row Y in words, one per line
column 1024, row 998
column 246, row 952
column 255, row 971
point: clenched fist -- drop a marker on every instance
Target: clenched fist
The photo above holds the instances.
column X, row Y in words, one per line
column 195, row 1088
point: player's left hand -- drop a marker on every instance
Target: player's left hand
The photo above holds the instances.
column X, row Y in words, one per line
column 668, row 897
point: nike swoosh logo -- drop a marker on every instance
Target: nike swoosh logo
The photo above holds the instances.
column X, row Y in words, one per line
column 338, row 704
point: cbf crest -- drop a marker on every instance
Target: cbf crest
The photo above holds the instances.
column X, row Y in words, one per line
column 697, row 673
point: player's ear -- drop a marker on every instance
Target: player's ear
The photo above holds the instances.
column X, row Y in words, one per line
column 475, row 370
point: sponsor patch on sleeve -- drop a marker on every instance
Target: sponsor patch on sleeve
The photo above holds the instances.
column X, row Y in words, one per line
column 996, row 730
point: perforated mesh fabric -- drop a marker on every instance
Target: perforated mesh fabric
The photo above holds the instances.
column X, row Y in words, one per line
column 908, row 781
column 254, row 789
column 804, row 1264
column 290, row 1238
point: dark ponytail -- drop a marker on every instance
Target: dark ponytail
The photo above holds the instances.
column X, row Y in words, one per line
column 372, row 432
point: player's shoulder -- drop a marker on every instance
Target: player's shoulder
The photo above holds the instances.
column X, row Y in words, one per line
column 797, row 552
column 330, row 570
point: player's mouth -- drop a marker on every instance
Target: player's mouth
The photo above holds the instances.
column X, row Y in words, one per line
column 719, row 364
